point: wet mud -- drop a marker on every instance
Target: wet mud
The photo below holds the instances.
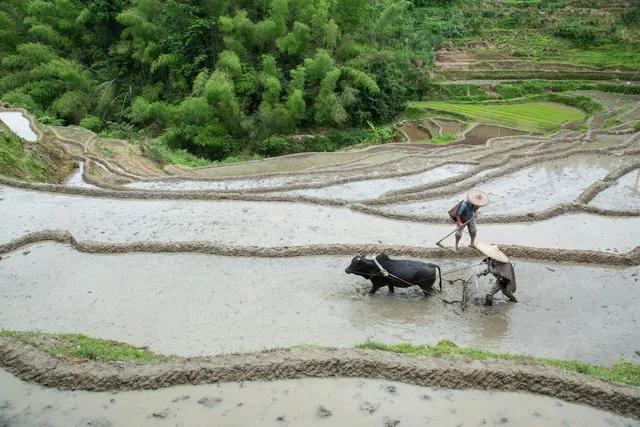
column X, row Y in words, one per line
column 230, row 185
column 622, row 194
column 209, row 304
column 415, row 132
column 370, row 189
column 76, row 179
column 611, row 101
column 330, row 402
column 291, row 163
column 481, row 133
column 532, row 189
column 19, row 124
column 282, row 224
column 452, row 127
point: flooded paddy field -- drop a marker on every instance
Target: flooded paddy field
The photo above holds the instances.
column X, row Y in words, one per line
column 19, row 124
column 182, row 185
column 623, row 194
column 297, row 162
column 481, row 133
column 189, row 304
column 532, row 189
column 281, row 224
column 370, row 189
column 76, row 179
column 327, row 402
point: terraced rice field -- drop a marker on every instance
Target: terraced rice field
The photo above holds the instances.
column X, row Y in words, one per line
column 537, row 117
column 214, row 261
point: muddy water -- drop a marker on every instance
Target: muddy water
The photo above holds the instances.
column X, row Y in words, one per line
column 452, row 127
column 481, row 133
column 531, row 189
column 215, row 185
column 190, row 304
column 327, row 402
column 280, row 224
column 371, row 189
column 415, row 132
column 77, row 179
column 610, row 100
column 18, row 125
column 624, row 194
column 286, row 163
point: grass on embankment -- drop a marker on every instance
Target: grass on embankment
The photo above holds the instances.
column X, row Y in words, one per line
column 539, row 117
column 622, row 372
column 83, row 347
column 77, row 346
column 441, row 139
column 16, row 162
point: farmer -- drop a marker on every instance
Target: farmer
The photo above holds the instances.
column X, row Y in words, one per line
column 498, row 265
column 465, row 213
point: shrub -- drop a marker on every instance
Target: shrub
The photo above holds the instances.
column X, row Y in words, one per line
column 92, row 123
column 631, row 16
column 21, row 99
column 577, row 33
column 582, row 102
column 318, row 144
column 272, row 146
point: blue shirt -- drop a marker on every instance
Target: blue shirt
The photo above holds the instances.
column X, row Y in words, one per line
column 465, row 211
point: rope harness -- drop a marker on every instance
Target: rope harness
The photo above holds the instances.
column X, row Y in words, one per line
column 385, row 273
column 464, row 301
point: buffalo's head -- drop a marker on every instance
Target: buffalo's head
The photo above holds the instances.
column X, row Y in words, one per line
column 357, row 263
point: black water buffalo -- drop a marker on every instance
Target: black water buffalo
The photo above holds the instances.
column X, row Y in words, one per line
column 402, row 273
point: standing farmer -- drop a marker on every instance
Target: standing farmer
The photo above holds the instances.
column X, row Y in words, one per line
column 465, row 213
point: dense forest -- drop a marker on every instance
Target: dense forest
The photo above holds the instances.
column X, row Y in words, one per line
column 212, row 76
column 217, row 78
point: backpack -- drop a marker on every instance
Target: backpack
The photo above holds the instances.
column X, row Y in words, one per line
column 453, row 212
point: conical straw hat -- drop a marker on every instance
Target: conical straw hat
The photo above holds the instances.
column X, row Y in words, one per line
column 477, row 197
column 492, row 251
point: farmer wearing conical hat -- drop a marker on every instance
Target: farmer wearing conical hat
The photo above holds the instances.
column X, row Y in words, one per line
column 465, row 213
column 498, row 265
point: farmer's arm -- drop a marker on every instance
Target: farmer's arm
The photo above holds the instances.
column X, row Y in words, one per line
column 458, row 217
column 484, row 273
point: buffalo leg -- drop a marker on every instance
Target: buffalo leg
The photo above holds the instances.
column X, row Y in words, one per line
column 426, row 291
column 391, row 290
column 375, row 288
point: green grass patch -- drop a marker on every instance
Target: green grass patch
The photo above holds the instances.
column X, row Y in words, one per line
column 83, row 347
column 540, row 117
column 623, row 55
column 615, row 119
column 442, row 139
column 17, row 162
column 622, row 372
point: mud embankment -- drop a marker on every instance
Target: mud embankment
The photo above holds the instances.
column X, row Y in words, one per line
column 630, row 258
column 31, row 364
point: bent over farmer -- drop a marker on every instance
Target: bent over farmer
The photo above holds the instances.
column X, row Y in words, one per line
column 465, row 212
column 498, row 265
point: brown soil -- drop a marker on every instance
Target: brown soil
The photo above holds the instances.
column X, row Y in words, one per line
column 415, row 132
column 481, row 133
column 451, row 127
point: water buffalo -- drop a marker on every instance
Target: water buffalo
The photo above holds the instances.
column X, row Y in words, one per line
column 407, row 273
